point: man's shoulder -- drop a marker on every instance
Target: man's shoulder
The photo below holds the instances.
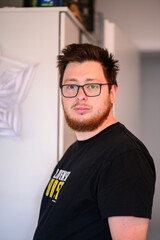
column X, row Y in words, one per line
column 120, row 138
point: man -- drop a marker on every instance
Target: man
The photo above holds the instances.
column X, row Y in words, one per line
column 103, row 186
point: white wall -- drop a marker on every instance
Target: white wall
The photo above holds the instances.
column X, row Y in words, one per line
column 27, row 164
column 127, row 107
column 150, row 125
column 139, row 19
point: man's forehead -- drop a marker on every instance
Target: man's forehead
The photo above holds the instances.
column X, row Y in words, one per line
column 85, row 72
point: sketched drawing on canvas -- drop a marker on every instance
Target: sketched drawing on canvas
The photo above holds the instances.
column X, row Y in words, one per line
column 15, row 81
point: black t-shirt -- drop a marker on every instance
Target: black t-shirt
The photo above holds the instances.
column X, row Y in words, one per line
column 110, row 174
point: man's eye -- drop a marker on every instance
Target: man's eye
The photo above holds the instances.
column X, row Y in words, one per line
column 71, row 87
column 93, row 86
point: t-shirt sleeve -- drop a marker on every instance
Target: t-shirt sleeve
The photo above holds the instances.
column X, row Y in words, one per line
column 126, row 188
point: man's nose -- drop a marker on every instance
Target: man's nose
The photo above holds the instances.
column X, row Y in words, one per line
column 81, row 94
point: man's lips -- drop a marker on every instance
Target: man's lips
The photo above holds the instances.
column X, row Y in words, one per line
column 81, row 109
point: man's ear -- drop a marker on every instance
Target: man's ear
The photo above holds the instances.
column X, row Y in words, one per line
column 113, row 93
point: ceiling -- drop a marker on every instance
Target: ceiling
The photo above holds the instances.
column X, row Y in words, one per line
column 139, row 19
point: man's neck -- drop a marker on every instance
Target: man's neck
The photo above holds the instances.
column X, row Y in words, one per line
column 81, row 136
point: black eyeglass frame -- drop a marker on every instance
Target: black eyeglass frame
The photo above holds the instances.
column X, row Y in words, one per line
column 82, row 86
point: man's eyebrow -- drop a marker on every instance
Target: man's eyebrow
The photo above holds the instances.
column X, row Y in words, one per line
column 90, row 80
column 74, row 80
column 70, row 80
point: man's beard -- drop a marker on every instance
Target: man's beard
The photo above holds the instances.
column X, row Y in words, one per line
column 88, row 124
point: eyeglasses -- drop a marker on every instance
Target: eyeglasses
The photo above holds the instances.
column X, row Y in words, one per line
column 90, row 89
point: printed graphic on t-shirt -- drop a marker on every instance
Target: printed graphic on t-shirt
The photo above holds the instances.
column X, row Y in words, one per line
column 56, row 183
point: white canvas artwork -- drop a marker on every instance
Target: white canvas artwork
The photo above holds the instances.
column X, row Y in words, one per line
column 15, row 81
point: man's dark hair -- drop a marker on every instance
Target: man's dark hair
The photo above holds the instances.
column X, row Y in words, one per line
column 88, row 52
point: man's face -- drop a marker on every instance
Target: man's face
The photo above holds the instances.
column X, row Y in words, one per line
column 85, row 113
